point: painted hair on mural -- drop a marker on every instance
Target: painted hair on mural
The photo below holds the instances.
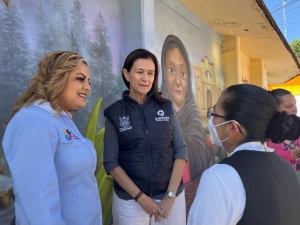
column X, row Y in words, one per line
column 143, row 54
column 172, row 42
column 49, row 80
column 187, row 111
column 257, row 113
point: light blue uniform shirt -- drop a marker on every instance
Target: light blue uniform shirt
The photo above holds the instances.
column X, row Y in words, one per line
column 52, row 167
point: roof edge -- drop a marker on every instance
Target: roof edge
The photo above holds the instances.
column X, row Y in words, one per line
column 271, row 20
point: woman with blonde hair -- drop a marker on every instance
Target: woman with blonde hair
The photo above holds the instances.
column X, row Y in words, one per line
column 51, row 163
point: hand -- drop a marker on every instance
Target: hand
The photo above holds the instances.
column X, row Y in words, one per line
column 166, row 204
column 151, row 207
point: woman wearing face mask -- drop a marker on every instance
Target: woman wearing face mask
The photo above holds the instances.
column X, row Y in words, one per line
column 253, row 185
column 288, row 149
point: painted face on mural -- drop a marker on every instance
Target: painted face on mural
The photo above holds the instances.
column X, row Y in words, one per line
column 288, row 104
column 140, row 77
column 176, row 74
column 73, row 95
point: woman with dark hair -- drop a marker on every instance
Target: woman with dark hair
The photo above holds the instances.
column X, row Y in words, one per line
column 144, row 150
column 253, row 185
column 177, row 86
column 288, row 149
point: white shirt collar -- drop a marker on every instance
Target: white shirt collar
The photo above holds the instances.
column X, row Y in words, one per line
column 46, row 106
column 253, row 146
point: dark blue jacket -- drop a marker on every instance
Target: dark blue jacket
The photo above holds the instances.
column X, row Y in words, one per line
column 144, row 133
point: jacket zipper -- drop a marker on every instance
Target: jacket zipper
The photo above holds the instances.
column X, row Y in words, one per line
column 150, row 161
column 148, row 152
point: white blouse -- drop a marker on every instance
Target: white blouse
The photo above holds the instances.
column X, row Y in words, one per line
column 221, row 196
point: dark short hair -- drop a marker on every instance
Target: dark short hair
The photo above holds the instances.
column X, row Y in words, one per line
column 278, row 93
column 143, row 54
column 256, row 110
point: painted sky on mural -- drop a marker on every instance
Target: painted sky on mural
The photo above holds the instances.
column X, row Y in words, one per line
column 292, row 11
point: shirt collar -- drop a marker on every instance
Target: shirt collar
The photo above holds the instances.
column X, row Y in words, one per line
column 252, row 146
column 46, row 106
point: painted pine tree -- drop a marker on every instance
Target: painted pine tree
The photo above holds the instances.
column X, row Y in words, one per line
column 44, row 41
column 59, row 25
column 78, row 31
column 14, row 74
column 101, row 66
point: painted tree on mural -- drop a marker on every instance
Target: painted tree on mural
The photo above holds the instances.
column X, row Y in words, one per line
column 26, row 8
column 101, row 64
column 13, row 60
column 78, row 29
column 58, row 25
column 44, row 41
column 1, row 18
column 54, row 25
column 13, row 53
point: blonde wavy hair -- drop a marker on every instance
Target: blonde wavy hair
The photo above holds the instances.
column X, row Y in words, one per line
column 49, row 81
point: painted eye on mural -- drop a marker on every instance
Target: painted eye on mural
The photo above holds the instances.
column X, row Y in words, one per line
column 170, row 69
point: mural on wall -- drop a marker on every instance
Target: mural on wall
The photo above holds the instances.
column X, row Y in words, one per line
column 32, row 28
column 208, row 89
column 177, row 86
column 199, row 78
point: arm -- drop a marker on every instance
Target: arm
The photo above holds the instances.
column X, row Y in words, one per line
column 220, row 198
column 30, row 143
column 111, row 164
column 180, row 159
column 166, row 203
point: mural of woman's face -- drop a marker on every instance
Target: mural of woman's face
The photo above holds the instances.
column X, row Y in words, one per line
column 176, row 75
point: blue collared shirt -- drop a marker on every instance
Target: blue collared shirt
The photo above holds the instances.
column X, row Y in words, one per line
column 52, row 167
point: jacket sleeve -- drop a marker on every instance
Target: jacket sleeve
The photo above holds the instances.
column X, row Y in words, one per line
column 30, row 143
column 111, row 147
column 178, row 141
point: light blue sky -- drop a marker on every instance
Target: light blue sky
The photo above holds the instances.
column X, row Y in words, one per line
column 292, row 11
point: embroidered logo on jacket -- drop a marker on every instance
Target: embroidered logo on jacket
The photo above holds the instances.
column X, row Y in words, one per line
column 160, row 113
column 161, row 117
column 69, row 135
column 124, row 122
